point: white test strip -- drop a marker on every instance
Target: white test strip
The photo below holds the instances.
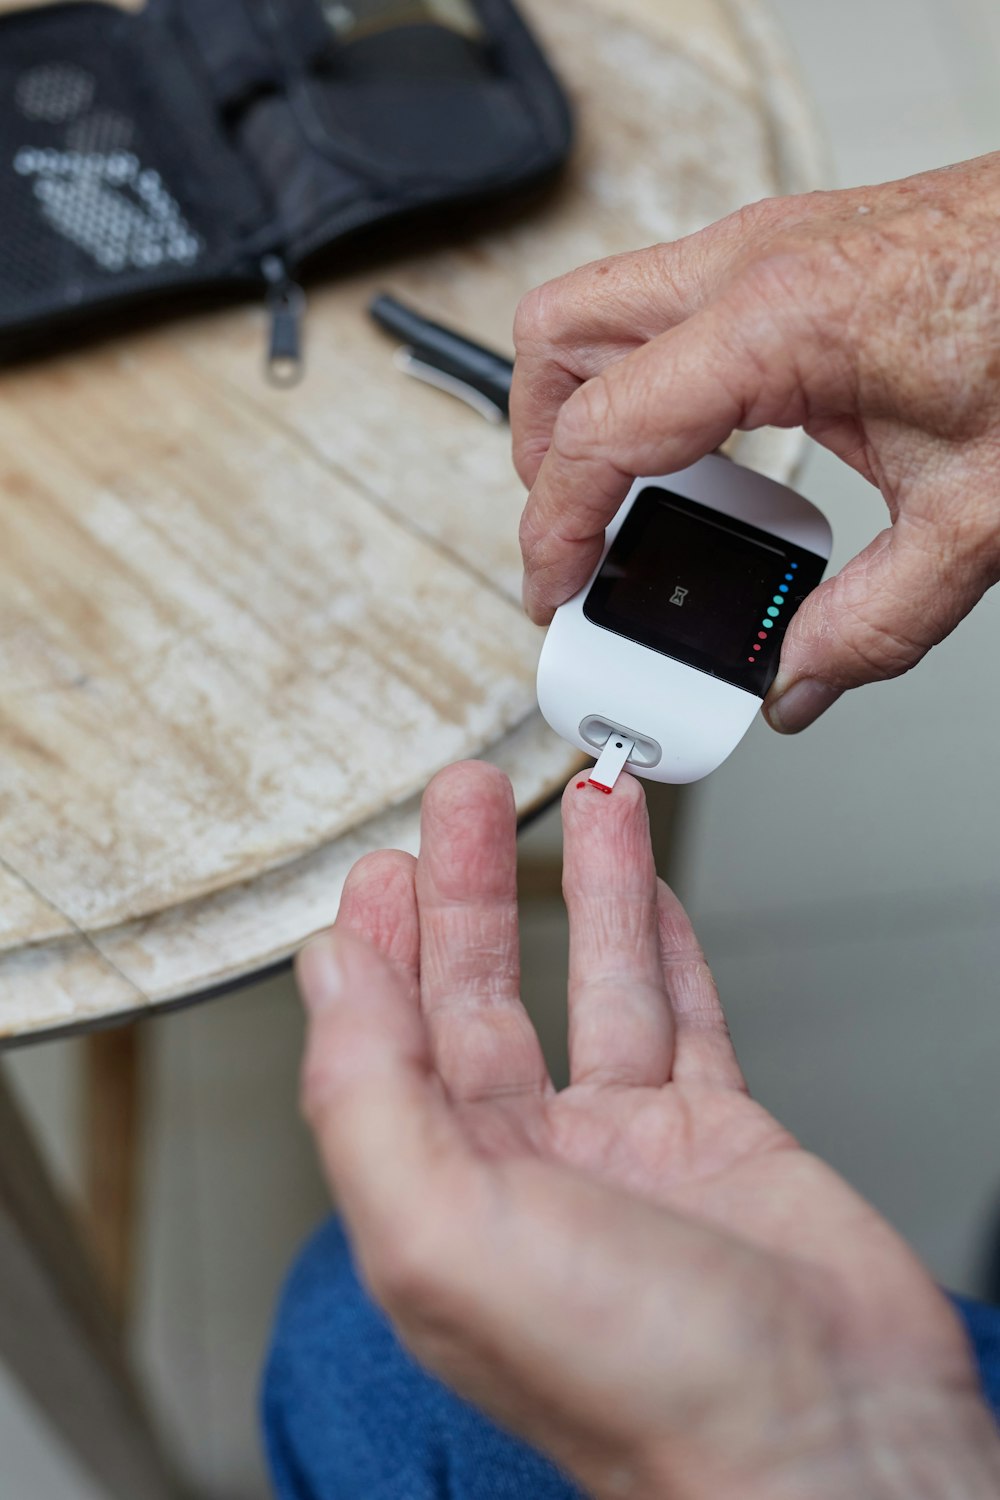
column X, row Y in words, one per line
column 612, row 762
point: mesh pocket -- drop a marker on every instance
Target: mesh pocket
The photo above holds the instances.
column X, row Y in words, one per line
column 104, row 192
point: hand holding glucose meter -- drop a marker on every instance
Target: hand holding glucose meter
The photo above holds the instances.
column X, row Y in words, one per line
column 662, row 660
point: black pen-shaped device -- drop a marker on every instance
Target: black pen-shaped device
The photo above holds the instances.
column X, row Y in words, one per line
column 446, row 359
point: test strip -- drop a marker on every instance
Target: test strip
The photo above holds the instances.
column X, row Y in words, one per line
column 611, row 763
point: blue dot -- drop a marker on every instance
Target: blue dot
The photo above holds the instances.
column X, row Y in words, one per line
column 773, row 613
column 793, row 566
column 788, row 577
column 782, row 588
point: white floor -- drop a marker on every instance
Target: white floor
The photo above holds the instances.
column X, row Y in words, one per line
column 846, row 884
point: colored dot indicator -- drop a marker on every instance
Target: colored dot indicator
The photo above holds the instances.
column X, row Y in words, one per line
column 788, row 577
column 778, row 599
column 773, row 613
column 793, row 566
column 782, row 588
column 757, row 647
column 762, row 635
column 751, row 659
column 769, row 624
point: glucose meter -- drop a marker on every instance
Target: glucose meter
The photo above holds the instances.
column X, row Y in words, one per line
column 661, row 661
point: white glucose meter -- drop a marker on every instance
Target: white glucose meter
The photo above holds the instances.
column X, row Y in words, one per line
column 661, row 661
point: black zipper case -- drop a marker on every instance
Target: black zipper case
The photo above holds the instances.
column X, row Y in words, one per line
column 200, row 144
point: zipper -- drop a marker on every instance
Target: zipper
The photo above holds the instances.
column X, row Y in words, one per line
column 286, row 302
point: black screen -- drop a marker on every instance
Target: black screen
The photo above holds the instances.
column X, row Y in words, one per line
column 702, row 587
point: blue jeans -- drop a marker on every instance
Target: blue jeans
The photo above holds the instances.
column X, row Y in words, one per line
column 348, row 1415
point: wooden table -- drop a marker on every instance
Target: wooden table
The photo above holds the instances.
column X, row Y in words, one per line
column 240, row 628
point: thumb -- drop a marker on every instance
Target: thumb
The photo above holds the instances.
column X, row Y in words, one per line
column 386, row 1135
column 876, row 619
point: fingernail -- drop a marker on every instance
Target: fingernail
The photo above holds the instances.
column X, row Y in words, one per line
column 800, row 705
column 319, row 974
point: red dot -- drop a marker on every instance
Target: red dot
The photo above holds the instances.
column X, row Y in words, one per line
column 756, row 648
column 580, row 785
column 751, row 659
column 762, row 635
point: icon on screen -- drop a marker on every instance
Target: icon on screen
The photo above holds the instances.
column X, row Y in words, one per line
column 679, row 595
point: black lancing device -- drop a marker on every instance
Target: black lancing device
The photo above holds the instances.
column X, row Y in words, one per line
column 443, row 358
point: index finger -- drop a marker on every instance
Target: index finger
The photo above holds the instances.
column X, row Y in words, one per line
column 620, row 1023
column 570, row 329
column 736, row 364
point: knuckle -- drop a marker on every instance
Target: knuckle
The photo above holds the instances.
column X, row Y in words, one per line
column 746, row 232
column 872, row 648
column 792, row 315
column 550, row 315
column 537, row 316
column 383, row 870
column 585, row 421
column 529, row 450
column 532, row 553
column 465, row 788
column 527, row 534
column 961, row 543
column 756, row 223
column 751, row 219
column 885, row 652
column 785, row 274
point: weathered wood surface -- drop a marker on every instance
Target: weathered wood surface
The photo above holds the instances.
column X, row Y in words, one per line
column 240, row 628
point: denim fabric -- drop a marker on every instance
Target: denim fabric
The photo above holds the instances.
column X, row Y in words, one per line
column 348, row 1415
column 983, row 1326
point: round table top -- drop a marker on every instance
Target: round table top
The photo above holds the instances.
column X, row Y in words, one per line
column 241, row 628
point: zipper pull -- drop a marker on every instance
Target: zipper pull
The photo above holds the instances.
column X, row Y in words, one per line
column 285, row 303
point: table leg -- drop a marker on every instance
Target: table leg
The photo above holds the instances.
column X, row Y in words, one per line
column 112, row 1123
column 57, row 1335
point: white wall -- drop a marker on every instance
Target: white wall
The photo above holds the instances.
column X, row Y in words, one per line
column 847, row 882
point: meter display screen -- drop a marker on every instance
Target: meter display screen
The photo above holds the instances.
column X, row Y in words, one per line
column 703, row 587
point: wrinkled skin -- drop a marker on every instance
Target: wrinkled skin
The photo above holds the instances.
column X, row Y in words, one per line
column 644, row 1273
column 871, row 317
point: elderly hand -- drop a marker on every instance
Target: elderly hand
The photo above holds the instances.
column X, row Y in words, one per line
column 643, row 1274
column 871, row 318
